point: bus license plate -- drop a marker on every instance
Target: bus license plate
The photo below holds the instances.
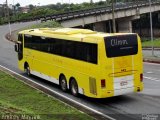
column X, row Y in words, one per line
column 123, row 83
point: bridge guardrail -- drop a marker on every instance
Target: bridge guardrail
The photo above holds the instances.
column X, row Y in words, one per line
column 95, row 11
column 87, row 12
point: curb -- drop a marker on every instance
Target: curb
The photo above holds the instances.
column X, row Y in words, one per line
column 150, row 48
column 9, row 38
column 151, row 61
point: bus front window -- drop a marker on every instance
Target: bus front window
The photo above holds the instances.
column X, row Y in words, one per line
column 19, row 47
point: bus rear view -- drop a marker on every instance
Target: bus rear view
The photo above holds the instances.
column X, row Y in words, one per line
column 122, row 65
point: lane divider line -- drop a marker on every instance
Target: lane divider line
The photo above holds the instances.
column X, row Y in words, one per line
column 153, row 79
column 91, row 109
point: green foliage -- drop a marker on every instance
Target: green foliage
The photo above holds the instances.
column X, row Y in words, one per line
column 49, row 24
column 31, row 7
column 148, row 42
column 3, row 20
column 36, row 12
column 42, row 12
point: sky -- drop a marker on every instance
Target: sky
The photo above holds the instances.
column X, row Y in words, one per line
column 43, row 2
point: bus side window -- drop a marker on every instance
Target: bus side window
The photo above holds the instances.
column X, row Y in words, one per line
column 87, row 53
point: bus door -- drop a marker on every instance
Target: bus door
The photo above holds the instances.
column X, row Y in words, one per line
column 28, row 51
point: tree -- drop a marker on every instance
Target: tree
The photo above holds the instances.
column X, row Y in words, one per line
column 107, row 2
column 100, row 3
column 91, row 1
column 1, row 12
column 17, row 7
column 31, row 7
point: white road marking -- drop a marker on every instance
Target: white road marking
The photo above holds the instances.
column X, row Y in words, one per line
column 153, row 79
column 76, row 102
column 151, row 63
column 149, row 72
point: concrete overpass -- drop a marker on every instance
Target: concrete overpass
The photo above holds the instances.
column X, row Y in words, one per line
column 124, row 15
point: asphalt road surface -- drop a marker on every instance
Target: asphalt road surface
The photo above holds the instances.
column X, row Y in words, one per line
column 149, row 53
column 140, row 106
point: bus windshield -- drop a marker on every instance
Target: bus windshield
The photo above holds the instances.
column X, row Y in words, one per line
column 121, row 45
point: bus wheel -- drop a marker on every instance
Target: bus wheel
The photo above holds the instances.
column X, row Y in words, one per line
column 27, row 70
column 74, row 87
column 63, row 83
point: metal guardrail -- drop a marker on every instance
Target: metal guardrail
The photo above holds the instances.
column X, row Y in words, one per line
column 95, row 11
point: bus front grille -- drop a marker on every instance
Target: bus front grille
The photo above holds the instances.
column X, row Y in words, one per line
column 92, row 85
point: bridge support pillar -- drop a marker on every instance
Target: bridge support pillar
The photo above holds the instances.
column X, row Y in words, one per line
column 100, row 26
column 125, row 24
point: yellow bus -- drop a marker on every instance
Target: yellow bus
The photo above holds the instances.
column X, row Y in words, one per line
column 86, row 62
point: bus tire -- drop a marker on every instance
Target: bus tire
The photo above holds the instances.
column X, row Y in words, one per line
column 63, row 83
column 27, row 69
column 74, row 87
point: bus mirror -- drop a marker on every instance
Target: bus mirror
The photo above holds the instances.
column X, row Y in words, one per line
column 16, row 47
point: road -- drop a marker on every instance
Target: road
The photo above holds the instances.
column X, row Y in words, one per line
column 149, row 53
column 131, row 106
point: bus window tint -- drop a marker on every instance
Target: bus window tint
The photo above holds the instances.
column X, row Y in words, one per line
column 66, row 48
column 121, row 45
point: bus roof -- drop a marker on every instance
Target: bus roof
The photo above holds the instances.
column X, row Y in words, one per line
column 75, row 33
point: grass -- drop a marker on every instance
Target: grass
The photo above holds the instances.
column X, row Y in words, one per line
column 148, row 43
column 49, row 24
column 16, row 98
